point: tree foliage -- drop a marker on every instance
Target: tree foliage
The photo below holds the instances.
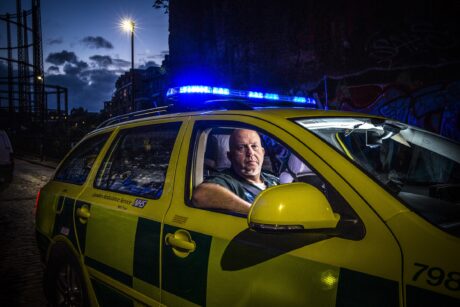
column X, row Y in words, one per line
column 161, row 4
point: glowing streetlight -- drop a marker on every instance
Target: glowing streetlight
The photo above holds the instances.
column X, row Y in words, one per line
column 128, row 25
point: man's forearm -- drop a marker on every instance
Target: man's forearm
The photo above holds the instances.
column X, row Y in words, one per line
column 214, row 196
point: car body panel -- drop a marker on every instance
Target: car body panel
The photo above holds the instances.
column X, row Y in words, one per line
column 125, row 251
column 115, row 221
column 318, row 259
column 431, row 261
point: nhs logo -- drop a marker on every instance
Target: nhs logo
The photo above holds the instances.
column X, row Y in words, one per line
column 140, row 203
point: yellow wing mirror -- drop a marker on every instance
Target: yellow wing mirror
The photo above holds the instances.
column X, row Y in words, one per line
column 293, row 206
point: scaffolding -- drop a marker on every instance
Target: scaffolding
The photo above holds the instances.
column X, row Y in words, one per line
column 23, row 91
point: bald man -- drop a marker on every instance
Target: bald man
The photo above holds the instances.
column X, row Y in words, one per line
column 236, row 188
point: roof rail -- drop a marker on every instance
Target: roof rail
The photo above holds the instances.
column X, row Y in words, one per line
column 134, row 115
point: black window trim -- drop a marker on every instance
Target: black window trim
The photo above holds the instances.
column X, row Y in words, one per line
column 202, row 124
column 179, row 123
column 89, row 137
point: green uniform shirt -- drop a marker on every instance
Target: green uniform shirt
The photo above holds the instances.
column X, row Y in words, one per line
column 240, row 186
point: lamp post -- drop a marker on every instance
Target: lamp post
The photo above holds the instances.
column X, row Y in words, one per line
column 128, row 25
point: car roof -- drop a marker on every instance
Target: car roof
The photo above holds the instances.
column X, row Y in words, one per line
column 262, row 112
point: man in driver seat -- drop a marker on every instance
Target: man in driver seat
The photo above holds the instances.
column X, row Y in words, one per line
column 236, row 188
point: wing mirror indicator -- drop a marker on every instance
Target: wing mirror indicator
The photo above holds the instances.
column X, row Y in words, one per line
column 292, row 207
column 266, row 227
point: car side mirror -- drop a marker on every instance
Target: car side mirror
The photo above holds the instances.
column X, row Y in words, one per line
column 294, row 206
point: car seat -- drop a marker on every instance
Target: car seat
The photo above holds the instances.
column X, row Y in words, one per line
column 295, row 168
column 216, row 152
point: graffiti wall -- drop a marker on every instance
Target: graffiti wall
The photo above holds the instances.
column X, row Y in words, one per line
column 434, row 107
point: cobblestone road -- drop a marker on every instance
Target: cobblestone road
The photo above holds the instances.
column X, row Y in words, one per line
column 20, row 268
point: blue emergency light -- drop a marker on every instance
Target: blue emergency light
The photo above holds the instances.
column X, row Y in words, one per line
column 222, row 91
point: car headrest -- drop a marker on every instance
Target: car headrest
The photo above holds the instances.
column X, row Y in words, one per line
column 217, row 150
column 296, row 167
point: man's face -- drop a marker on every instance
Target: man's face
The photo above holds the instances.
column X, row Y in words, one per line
column 246, row 154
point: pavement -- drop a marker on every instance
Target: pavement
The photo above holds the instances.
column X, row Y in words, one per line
column 21, row 270
column 50, row 163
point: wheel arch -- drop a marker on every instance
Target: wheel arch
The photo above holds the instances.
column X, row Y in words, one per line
column 59, row 247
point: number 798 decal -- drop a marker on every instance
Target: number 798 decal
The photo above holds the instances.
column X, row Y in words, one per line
column 436, row 276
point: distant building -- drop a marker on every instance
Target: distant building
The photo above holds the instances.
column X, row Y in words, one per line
column 399, row 59
column 150, row 86
column 292, row 45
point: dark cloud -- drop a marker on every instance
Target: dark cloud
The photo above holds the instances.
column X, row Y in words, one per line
column 121, row 63
column 159, row 56
column 148, row 64
column 96, row 42
column 54, row 41
column 89, row 89
column 53, row 70
column 75, row 68
column 59, row 58
column 102, row 60
column 101, row 77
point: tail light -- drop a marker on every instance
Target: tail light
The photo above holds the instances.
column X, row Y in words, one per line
column 36, row 202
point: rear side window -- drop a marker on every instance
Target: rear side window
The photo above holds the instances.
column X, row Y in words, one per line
column 137, row 162
column 76, row 167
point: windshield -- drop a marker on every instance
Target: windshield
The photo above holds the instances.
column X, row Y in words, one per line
column 419, row 167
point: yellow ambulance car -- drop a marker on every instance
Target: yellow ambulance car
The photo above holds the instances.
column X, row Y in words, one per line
column 367, row 212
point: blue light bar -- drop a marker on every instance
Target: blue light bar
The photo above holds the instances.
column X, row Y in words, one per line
column 299, row 99
column 210, row 90
column 220, row 91
column 271, row 96
column 258, row 95
column 195, row 89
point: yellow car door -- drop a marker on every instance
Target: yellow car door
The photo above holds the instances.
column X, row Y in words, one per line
column 62, row 191
column 119, row 231
column 213, row 258
column 410, row 177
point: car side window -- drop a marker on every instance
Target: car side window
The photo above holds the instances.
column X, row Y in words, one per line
column 212, row 146
column 137, row 161
column 281, row 163
column 77, row 166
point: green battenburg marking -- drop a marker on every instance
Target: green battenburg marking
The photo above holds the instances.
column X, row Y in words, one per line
column 64, row 223
column 107, row 296
column 418, row 297
column 80, row 227
column 146, row 251
column 360, row 289
column 109, row 271
column 187, row 277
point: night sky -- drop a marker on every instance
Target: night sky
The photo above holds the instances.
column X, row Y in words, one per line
column 84, row 48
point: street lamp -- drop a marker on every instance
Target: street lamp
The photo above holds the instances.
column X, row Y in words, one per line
column 128, row 25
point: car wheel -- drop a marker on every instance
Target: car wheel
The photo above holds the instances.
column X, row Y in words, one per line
column 64, row 283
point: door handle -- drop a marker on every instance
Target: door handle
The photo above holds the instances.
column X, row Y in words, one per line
column 83, row 214
column 181, row 243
